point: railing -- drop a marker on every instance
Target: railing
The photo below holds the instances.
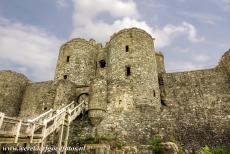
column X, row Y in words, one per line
column 14, row 130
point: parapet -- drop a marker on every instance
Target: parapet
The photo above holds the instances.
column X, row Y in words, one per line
column 91, row 42
column 159, row 53
column 8, row 73
column 132, row 31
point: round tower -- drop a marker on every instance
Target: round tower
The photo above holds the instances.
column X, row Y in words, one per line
column 76, row 61
column 132, row 63
column 98, row 100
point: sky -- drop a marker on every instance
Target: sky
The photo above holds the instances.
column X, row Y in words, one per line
column 192, row 34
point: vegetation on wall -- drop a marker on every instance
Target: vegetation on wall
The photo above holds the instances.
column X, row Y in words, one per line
column 156, row 145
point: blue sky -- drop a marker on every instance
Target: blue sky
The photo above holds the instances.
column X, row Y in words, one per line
column 192, row 34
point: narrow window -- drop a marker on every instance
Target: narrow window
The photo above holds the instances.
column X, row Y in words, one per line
column 67, row 59
column 65, row 76
column 154, row 93
column 127, row 48
column 163, row 103
column 102, row 63
column 128, row 71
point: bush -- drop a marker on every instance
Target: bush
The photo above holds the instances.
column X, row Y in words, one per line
column 156, row 145
column 221, row 150
column 206, row 150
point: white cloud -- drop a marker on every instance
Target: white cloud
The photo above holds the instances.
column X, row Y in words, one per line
column 201, row 57
column 210, row 19
column 101, row 31
column 226, row 2
column 226, row 5
column 181, row 66
column 116, row 8
column 28, row 49
column 164, row 36
column 87, row 26
column 62, row 3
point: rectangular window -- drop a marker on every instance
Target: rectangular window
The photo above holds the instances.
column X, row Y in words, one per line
column 67, row 59
column 128, row 71
column 65, row 76
column 102, row 63
column 127, row 48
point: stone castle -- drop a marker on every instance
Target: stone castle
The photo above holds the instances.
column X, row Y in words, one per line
column 128, row 92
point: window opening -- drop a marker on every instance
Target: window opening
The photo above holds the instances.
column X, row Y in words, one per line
column 163, row 103
column 128, row 71
column 102, row 63
column 127, row 48
column 67, row 58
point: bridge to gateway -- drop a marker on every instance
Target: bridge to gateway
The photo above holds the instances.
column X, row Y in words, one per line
column 37, row 130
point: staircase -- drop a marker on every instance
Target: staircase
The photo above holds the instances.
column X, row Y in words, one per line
column 36, row 131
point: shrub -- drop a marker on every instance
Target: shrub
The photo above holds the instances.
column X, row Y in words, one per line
column 221, row 150
column 206, row 150
column 156, row 145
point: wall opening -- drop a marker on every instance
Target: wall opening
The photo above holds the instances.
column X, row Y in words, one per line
column 67, row 59
column 127, row 48
column 154, row 93
column 102, row 63
column 128, row 71
column 45, row 108
column 163, row 103
column 160, row 80
column 65, row 77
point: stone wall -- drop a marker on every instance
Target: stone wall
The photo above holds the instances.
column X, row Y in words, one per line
column 12, row 87
column 38, row 98
column 132, row 102
column 77, row 61
column 224, row 64
column 160, row 62
column 98, row 100
column 198, row 103
column 65, row 93
column 194, row 105
column 129, row 94
column 131, row 60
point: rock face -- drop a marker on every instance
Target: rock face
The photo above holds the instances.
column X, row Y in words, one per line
column 130, row 95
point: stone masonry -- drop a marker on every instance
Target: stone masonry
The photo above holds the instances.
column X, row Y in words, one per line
column 129, row 93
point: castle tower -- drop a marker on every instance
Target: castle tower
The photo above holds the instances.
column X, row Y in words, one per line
column 160, row 62
column 132, row 69
column 98, row 100
column 76, row 61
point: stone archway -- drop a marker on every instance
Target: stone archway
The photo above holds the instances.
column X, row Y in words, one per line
column 83, row 97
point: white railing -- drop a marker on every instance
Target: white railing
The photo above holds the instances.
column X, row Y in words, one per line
column 14, row 130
